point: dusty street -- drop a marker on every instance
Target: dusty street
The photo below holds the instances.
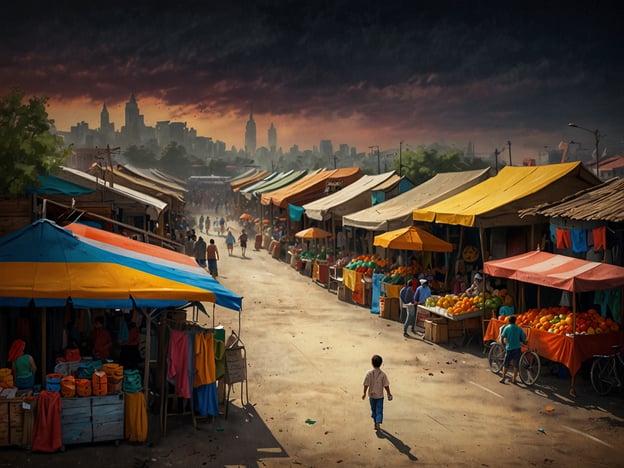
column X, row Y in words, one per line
column 307, row 355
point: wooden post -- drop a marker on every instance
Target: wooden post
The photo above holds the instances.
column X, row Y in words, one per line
column 44, row 344
column 148, row 339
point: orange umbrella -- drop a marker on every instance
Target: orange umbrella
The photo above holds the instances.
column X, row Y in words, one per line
column 246, row 216
column 313, row 233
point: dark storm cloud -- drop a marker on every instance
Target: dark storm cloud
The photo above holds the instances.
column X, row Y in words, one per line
column 453, row 65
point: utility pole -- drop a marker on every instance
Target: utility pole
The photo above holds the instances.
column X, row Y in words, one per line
column 401, row 158
column 509, row 145
column 496, row 153
column 378, row 161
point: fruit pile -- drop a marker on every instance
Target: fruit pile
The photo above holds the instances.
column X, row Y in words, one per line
column 456, row 305
column 399, row 275
column 366, row 264
column 560, row 320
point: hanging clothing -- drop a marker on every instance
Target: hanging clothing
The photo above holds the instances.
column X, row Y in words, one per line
column 206, row 400
column 47, row 436
column 205, row 372
column 579, row 240
column 563, row 239
column 135, row 416
column 600, row 237
column 178, row 363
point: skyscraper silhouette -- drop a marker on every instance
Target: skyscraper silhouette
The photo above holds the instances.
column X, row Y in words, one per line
column 250, row 136
column 272, row 138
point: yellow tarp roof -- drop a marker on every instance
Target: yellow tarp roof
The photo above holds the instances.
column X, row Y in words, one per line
column 496, row 201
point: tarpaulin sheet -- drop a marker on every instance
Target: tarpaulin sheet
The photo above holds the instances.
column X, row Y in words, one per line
column 557, row 271
column 496, row 201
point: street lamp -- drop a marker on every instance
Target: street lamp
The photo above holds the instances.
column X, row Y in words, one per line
column 597, row 136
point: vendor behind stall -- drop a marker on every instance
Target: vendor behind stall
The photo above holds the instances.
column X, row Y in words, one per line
column 24, row 367
column 478, row 286
column 101, row 341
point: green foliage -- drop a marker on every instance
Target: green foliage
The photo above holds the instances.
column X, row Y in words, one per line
column 175, row 161
column 27, row 147
column 424, row 163
column 141, row 156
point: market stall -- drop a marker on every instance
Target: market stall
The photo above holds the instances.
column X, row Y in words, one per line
column 566, row 338
column 320, row 266
column 49, row 270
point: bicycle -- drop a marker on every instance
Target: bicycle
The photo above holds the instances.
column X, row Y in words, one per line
column 529, row 367
column 605, row 371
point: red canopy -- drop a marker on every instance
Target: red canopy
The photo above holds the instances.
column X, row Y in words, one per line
column 557, row 271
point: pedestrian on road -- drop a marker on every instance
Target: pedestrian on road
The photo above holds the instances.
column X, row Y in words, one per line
column 511, row 336
column 407, row 301
column 243, row 241
column 229, row 242
column 207, row 222
column 212, row 253
column 221, row 226
column 201, row 223
column 375, row 381
column 199, row 251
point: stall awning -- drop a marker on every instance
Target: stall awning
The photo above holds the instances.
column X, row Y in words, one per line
column 496, row 201
column 49, row 266
column 241, row 183
column 277, row 183
column 397, row 212
column 412, row 238
column 557, row 271
column 354, row 197
column 310, row 187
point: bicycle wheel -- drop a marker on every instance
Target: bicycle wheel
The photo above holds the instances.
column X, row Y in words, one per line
column 530, row 367
column 496, row 356
column 601, row 375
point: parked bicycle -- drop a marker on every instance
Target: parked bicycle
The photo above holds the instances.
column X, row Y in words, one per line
column 529, row 367
column 606, row 371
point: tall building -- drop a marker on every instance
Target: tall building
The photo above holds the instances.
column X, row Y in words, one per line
column 326, row 148
column 107, row 129
column 272, row 138
column 250, row 136
column 133, row 129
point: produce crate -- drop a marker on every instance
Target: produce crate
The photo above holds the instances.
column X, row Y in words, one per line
column 344, row 293
column 4, row 423
column 392, row 304
column 455, row 329
column 439, row 333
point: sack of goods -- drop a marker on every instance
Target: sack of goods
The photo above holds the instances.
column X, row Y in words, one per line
column 99, row 383
column 87, row 368
column 72, row 354
column 113, row 370
column 6, row 378
column 68, row 386
column 83, row 387
column 53, row 382
column 132, row 381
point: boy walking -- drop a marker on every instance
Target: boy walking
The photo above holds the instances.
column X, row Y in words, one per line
column 374, row 382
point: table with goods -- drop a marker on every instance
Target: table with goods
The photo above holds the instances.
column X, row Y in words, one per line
column 357, row 277
column 554, row 334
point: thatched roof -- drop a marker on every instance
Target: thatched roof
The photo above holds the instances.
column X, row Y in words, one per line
column 604, row 202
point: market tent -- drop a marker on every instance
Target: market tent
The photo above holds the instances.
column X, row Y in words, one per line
column 397, row 212
column 48, row 265
column 557, row 271
column 496, row 201
column 352, row 198
column 310, row 187
column 276, row 184
column 238, row 184
column 52, row 185
column 412, row 238
column 313, row 233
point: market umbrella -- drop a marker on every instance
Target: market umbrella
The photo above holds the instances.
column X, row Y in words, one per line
column 313, row 233
column 246, row 216
column 412, row 238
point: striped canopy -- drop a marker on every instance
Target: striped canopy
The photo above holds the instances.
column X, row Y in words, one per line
column 51, row 265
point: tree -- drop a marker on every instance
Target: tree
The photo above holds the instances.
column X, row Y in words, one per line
column 140, row 156
column 175, row 161
column 424, row 163
column 28, row 148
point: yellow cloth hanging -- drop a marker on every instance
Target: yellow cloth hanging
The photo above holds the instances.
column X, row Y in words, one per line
column 135, row 416
column 205, row 372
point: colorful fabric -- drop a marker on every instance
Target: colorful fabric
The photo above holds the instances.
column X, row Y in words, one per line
column 178, row 363
column 47, row 436
column 16, row 350
column 579, row 240
column 205, row 372
column 600, row 237
column 563, row 239
column 135, row 416
column 207, row 400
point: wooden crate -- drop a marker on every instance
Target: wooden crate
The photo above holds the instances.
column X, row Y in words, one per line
column 4, row 423
column 439, row 332
column 16, row 421
column 76, row 425
column 107, row 414
column 455, row 329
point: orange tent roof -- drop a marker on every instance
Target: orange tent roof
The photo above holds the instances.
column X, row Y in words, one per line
column 310, row 187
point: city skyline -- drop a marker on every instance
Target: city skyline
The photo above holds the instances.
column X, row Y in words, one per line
column 362, row 73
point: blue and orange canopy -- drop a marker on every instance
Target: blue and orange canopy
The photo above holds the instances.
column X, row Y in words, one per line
column 51, row 265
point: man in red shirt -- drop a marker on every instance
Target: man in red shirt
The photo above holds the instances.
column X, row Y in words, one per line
column 100, row 340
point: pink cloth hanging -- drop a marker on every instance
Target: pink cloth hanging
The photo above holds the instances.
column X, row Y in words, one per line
column 178, row 365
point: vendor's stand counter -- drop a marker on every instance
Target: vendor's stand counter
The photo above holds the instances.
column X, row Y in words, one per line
column 92, row 419
column 359, row 285
column 320, row 272
column 571, row 351
column 465, row 326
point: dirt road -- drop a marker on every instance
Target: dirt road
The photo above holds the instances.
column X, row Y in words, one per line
column 307, row 354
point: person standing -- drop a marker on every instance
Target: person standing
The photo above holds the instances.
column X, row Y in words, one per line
column 189, row 244
column 243, row 241
column 24, row 367
column 201, row 223
column 212, row 254
column 229, row 242
column 101, row 341
column 207, row 224
column 407, row 301
column 199, row 251
column 512, row 336
column 423, row 292
column 221, row 226
column 375, row 381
